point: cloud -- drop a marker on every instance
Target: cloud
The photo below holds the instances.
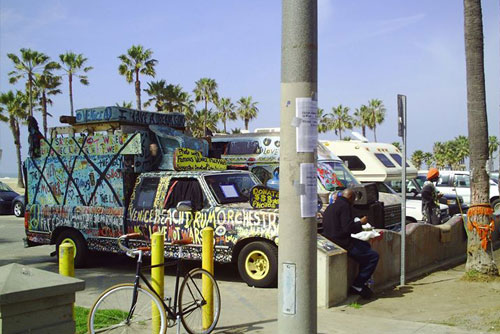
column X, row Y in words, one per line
column 387, row 26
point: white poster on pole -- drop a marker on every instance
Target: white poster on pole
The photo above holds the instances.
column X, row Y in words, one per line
column 308, row 192
column 306, row 113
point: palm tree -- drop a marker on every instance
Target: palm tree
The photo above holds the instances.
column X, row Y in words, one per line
column 478, row 258
column 156, row 91
column 13, row 111
column 428, row 159
column 361, row 118
column 72, row 63
column 439, row 153
column 340, row 119
column 462, row 148
column 397, row 145
column 137, row 61
column 324, row 121
column 175, row 98
column 199, row 121
column 492, row 148
column 124, row 104
column 47, row 85
column 417, row 158
column 247, row 110
column 376, row 111
column 30, row 63
column 226, row 110
column 206, row 91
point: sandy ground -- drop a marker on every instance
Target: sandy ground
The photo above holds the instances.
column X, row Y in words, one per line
column 442, row 297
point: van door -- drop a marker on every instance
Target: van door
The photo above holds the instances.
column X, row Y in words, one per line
column 181, row 224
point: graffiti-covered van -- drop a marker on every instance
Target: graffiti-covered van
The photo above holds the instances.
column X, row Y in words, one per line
column 116, row 171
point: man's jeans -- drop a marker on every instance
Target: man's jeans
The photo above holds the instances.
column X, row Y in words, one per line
column 367, row 259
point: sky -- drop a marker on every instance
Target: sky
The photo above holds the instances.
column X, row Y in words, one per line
column 366, row 49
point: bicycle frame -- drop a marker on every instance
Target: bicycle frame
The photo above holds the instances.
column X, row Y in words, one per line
column 172, row 312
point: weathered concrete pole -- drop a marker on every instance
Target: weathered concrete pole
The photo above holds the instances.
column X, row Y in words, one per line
column 297, row 231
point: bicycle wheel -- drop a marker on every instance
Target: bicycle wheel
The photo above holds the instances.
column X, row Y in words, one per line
column 195, row 295
column 111, row 310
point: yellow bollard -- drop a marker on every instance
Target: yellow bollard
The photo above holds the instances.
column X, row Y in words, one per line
column 67, row 259
column 207, row 263
column 157, row 274
column 67, row 263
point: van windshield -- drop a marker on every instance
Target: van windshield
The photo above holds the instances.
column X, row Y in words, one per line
column 333, row 175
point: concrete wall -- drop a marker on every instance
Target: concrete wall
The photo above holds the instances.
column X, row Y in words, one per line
column 428, row 248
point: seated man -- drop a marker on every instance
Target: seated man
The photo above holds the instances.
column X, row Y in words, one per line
column 338, row 225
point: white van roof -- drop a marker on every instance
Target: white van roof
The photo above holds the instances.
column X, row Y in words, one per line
column 371, row 162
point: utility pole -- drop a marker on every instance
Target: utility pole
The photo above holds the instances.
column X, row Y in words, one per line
column 402, row 133
column 298, row 197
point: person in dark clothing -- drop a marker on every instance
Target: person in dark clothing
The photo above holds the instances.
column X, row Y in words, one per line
column 430, row 199
column 338, row 225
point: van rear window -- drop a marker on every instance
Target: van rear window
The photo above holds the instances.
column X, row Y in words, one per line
column 385, row 160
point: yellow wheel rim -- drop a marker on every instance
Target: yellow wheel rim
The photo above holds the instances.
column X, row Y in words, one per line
column 69, row 240
column 257, row 265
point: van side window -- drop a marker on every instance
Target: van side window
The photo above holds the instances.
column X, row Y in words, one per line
column 385, row 160
column 462, row 181
column 184, row 189
column 443, row 180
column 353, row 162
column 243, row 147
column 397, row 157
column 145, row 194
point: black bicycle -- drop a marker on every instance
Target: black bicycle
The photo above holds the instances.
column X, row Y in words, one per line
column 135, row 308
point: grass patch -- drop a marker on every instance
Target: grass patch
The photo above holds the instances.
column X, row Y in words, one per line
column 476, row 276
column 355, row 305
column 81, row 314
column 102, row 318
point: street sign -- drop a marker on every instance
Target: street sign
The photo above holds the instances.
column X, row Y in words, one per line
column 401, row 114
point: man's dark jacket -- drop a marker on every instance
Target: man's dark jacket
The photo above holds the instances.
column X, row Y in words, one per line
column 338, row 223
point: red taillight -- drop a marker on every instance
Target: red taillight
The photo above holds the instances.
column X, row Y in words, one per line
column 26, row 220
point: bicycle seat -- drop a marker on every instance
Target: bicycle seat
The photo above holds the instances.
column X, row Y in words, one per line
column 182, row 242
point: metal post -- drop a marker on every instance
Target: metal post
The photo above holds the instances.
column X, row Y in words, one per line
column 206, row 284
column 298, row 199
column 157, row 274
column 67, row 264
column 402, row 133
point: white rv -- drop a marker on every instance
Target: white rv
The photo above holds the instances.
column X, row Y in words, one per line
column 379, row 163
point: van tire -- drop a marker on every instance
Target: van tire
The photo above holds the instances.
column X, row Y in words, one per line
column 495, row 204
column 258, row 264
column 81, row 249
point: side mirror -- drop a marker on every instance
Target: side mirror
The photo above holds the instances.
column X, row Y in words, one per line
column 184, row 206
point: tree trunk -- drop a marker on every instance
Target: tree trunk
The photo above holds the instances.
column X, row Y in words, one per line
column 225, row 126
column 44, row 114
column 70, row 79
column 30, row 86
column 246, row 123
column 14, row 127
column 363, row 130
column 340, row 134
column 479, row 216
column 205, row 118
column 138, row 90
column 375, row 132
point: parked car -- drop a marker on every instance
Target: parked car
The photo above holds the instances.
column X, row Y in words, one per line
column 458, row 182
column 7, row 198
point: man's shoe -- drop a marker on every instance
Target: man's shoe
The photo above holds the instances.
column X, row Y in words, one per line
column 366, row 293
